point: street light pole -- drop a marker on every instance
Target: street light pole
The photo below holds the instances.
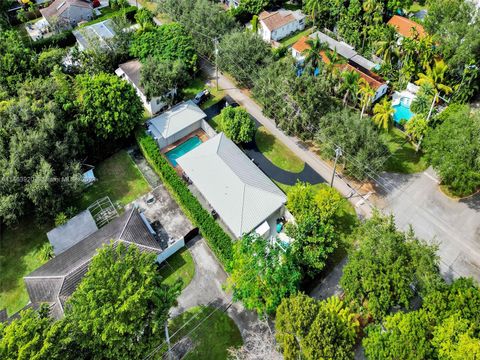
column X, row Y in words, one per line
column 338, row 153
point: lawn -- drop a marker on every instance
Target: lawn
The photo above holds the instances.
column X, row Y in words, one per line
column 211, row 338
column 215, row 123
column 119, row 178
column 278, row 153
column 178, row 266
column 416, row 7
column 198, row 84
column 292, row 39
column 19, row 255
column 404, row 159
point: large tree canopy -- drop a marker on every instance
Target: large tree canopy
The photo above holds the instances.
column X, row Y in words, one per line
column 310, row 329
column 262, row 274
column 242, row 54
column 203, row 19
column 109, row 105
column 453, row 149
column 237, row 124
column 166, row 42
column 40, row 145
column 380, row 273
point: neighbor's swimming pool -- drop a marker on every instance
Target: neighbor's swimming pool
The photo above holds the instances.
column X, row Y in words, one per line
column 182, row 149
column 402, row 111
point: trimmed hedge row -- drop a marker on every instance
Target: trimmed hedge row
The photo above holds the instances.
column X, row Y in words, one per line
column 63, row 40
column 220, row 242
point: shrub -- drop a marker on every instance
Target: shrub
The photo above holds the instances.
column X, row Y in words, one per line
column 237, row 124
column 219, row 241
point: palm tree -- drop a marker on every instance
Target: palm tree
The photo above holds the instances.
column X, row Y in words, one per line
column 334, row 60
column 313, row 54
column 435, row 76
column 313, row 7
column 366, row 94
column 349, row 85
column 388, row 48
column 383, row 114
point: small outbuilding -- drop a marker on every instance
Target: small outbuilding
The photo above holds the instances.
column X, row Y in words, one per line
column 176, row 123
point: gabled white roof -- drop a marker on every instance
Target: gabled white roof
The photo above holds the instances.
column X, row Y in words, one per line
column 235, row 187
column 176, row 119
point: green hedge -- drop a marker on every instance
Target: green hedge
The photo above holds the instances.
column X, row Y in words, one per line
column 217, row 238
column 63, row 40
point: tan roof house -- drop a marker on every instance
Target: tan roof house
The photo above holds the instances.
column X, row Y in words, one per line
column 67, row 13
column 279, row 24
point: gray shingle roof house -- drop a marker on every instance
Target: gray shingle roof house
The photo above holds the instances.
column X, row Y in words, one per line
column 175, row 123
column 56, row 280
column 235, row 187
column 73, row 231
column 68, row 12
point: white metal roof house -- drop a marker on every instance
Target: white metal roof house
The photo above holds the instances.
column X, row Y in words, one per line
column 242, row 195
column 175, row 123
column 67, row 13
column 91, row 35
column 130, row 71
column 279, row 24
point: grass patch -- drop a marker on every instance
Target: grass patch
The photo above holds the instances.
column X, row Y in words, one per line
column 292, row 39
column 117, row 177
column 19, row 255
column 212, row 338
column 215, row 123
column 198, row 84
column 404, row 159
column 178, row 266
column 416, row 7
column 109, row 13
column 278, row 153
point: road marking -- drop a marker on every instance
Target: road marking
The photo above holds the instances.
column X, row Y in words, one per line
column 431, row 177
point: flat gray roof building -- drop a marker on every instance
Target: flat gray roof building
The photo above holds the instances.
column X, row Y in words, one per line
column 98, row 33
column 235, row 187
column 73, row 231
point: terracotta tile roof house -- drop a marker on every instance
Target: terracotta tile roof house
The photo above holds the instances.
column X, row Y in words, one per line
column 406, row 27
column 68, row 12
column 375, row 81
column 54, row 282
column 279, row 24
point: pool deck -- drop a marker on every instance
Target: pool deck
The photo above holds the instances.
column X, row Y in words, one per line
column 202, row 135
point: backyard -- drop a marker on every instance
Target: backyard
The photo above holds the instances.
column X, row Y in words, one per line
column 20, row 254
column 118, row 178
column 198, row 84
column 292, row 39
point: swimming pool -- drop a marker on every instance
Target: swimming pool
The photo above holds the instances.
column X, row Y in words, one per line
column 182, row 149
column 402, row 111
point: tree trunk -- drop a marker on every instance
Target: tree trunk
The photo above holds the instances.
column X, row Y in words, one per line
column 345, row 98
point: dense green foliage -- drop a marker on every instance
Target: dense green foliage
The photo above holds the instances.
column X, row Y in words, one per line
column 40, row 145
column 159, row 78
column 363, row 148
column 204, row 19
column 237, row 124
column 109, row 105
column 117, row 312
column 263, row 273
column 310, row 329
column 166, row 42
column 380, row 273
column 243, row 54
column 316, row 227
column 453, row 149
column 219, row 241
column 446, row 327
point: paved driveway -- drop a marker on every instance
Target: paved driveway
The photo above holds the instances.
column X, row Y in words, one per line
column 455, row 225
column 206, row 287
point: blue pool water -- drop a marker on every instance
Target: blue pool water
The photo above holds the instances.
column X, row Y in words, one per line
column 182, row 149
column 402, row 112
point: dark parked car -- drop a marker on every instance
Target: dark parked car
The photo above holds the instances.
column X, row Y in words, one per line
column 201, row 97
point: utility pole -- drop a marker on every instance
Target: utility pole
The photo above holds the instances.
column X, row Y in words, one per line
column 215, row 44
column 167, row 338
column 338, row 153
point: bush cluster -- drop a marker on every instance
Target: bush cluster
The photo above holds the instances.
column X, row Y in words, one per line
column 220, row 242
